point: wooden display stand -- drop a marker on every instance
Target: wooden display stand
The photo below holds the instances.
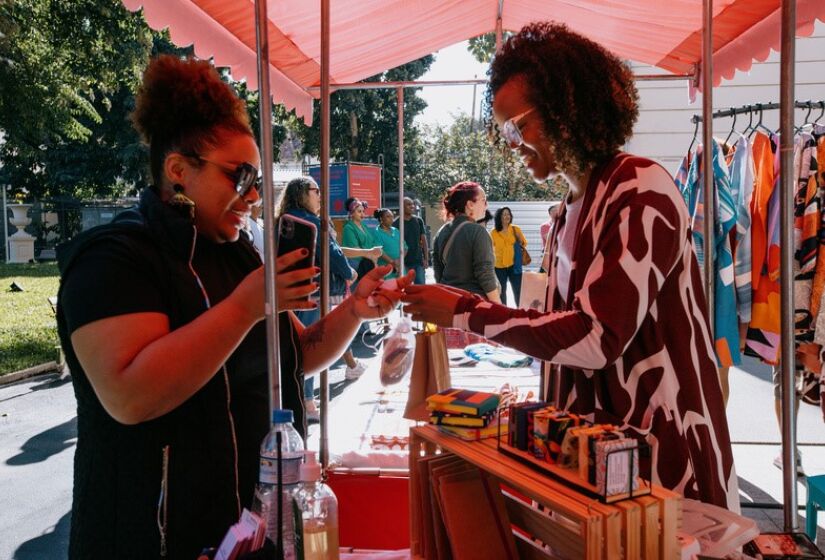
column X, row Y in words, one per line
column 543, row 511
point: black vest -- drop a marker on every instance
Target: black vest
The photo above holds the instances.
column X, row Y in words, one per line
column 118, row 510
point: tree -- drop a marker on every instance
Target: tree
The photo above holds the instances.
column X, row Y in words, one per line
column 364, row 124
column 62, row 151
column 483, row 47
column 460, row 153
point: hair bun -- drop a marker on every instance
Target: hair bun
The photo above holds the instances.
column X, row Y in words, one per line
column 180, row 95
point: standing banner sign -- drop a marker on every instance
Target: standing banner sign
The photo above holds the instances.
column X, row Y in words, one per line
column 361, row 180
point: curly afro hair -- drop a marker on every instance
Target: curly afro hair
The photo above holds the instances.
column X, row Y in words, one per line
column 184, row 106
column 585, row 95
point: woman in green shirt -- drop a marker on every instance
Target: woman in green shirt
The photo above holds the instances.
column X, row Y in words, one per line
column 357, row 241
column 389, row 239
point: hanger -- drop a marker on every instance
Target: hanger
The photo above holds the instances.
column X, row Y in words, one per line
column 799, row 128
column 732, row 129
column 759, row 124
column 748, row 129
column 821, row 111
column 695, row 120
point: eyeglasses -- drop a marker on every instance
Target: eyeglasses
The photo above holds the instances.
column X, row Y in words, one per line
column 245, row 176
column 511, row 130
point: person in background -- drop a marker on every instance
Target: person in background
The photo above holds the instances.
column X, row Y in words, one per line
column 255, row 228
column 160, row 314
column 357, row 241
column 506, row 236
column 544, row 231
column 388, row 238
column 468, row 261
column 415, row 237
column 626, row 324
column 302, row 199
column 485, row 219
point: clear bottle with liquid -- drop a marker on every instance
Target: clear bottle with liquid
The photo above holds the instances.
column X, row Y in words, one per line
column 284, row 435
column 316, row 514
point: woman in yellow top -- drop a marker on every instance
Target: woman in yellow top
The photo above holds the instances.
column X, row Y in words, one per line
column 508, row 260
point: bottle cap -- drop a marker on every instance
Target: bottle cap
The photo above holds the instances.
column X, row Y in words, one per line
column 282, row 416
column 310, row 468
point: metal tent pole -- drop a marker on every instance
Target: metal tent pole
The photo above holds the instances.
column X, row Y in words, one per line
column 499, row 24
column 265, row 117
column 707, row 158
column 400, row 96
column 787, row 357
column 324, row 233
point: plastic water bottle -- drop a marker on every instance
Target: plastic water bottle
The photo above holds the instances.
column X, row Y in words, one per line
column 316, row 515
column 282, row 434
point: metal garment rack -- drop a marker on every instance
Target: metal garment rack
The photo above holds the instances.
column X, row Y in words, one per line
column 757, row 107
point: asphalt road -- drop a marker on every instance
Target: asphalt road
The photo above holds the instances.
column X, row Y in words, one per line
column 38, row 432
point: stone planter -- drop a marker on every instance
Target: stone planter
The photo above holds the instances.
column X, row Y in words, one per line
column 21, row 244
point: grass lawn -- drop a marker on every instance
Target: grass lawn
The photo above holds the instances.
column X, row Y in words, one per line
column 28, row 329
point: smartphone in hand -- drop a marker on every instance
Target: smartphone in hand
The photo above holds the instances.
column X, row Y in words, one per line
column 297, row 233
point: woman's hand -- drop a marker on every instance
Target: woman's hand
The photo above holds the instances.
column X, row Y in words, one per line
column 292, row 294
column 433, row 303
column 375, row 254
column 383, row 301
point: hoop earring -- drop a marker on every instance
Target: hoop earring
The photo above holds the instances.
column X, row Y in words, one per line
column 181, row 202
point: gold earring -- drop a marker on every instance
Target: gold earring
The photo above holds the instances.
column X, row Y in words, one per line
column 181, row 202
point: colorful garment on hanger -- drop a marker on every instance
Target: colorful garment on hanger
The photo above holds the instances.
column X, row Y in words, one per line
column 681, row 176
column 741, row 188
column 763, row 332
column 818, row 287
column 726, row 325
column 806, row 234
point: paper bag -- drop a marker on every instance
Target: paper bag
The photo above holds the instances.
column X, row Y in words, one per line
column 533, row 290
column 430, row 373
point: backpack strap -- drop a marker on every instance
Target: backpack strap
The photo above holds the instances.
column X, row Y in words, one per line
column 446, row 251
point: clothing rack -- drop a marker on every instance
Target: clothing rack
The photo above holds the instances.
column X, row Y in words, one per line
column 758, row 107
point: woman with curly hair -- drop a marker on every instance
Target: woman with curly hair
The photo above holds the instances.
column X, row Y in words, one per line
column 160, row 315
column 626, row 327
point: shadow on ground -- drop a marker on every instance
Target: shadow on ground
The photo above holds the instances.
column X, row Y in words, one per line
column 50, row 442
column 48, row 546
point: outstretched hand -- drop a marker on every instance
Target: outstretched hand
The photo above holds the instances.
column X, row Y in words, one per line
column 433, row 303
column 371, row 300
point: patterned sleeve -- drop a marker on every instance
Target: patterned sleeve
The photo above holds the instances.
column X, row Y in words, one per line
column 638, row 246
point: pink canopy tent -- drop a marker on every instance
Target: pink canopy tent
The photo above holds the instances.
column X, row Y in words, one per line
column 370, row 36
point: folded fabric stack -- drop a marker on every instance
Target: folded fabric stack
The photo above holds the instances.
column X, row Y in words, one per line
column 464, row 413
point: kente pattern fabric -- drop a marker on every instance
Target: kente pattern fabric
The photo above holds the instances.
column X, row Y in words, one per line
column 632, row 338
column 763, row 333
column 806, row 230
column 725, row 319
column 818, row 287
column 741, row 189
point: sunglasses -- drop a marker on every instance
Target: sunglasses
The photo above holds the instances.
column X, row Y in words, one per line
column 511, row 129
column 245, row 176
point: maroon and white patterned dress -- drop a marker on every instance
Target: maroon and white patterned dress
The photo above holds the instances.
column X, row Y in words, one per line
column 631, row 342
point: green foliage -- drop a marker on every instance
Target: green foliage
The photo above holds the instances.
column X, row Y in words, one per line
column 483, row 47
column 364, row 124
column 28, row 331
column 463, row 152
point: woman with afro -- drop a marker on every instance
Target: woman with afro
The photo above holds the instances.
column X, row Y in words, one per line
column 626, row 330
column 160, row 314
